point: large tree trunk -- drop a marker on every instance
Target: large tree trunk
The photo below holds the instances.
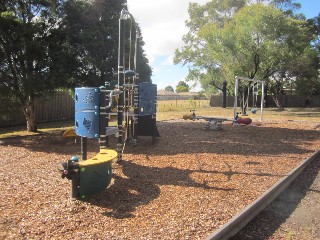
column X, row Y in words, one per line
column 243, row 103
column 277, row 100
column 277, row 95
column 29, row 113
column 224, row 94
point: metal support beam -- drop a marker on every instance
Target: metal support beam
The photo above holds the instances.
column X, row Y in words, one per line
column 236, row 89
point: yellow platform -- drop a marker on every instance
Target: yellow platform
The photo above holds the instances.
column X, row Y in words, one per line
column 105, row 155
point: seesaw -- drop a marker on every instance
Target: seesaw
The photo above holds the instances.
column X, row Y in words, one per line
column 215, row 123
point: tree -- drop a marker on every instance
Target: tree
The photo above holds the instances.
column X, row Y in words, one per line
column 246, row 45
column 286, row 6
column 253, row 49
column 145, row 71
column 169, row 88
column 28, row 34
column 307, row 74
column 9, row 105
column 92, row 34
column 202, row 67
column 91, row 30
column 182, row 87
column 50, row 44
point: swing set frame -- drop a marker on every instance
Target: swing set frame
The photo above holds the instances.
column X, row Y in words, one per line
column 238, row 79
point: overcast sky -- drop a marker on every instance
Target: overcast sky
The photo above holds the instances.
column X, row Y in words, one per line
column 163, row 24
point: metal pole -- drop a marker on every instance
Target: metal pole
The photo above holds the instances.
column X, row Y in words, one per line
column 84, row 148
column 235, row 98
column 262, row 102
column 102, row 118
column 120, row 82
column 108, row 101
column 136, row 89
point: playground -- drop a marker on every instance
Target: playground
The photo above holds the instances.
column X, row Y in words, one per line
column 136, row 176
column 185, row 186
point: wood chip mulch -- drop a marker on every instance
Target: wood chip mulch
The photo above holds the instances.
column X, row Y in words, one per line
column 192, row 181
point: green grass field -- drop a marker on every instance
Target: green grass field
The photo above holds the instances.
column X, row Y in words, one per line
column 175, row 109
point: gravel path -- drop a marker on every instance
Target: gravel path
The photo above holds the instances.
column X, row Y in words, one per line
column 295, row 214
column 186, row 186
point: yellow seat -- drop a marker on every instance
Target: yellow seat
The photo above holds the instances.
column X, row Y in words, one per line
column 105, row 155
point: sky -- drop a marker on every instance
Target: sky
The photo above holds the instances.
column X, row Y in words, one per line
column 162, row 24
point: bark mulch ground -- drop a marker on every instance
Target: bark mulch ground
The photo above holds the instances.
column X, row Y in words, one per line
column 186, row 186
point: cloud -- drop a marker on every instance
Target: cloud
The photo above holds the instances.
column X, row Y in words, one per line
column 168, row 61
column 155, row 69
column 163, row 85
column 162, row 24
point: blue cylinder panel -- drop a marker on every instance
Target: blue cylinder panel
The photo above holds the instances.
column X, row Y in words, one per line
column 87, row 123
column 147, row 99
column 86, row 99
column 87, row 112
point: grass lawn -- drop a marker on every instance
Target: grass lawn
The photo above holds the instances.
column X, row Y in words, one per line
column 42, row 128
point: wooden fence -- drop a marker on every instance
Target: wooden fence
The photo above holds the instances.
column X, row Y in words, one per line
column 58, row 107
column 61, row 106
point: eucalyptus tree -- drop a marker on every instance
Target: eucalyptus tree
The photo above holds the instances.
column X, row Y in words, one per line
column 308, row 75
column 195, row 54
column 252, row 48
column 286, row 6
column 256, row 41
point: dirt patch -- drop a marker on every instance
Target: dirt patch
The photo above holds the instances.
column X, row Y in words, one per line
column 185, row 186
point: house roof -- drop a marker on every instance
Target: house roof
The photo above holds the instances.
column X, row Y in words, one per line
column 187, row 93
column 163, row 92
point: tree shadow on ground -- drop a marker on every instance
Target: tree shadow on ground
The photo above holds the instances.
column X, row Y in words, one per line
column 240, row 140
column 308, row 114
column 265, row 224
column 293, row 109
column 139, row 185
column 49, row 142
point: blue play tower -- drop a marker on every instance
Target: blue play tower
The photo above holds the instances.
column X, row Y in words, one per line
column 131, row 102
